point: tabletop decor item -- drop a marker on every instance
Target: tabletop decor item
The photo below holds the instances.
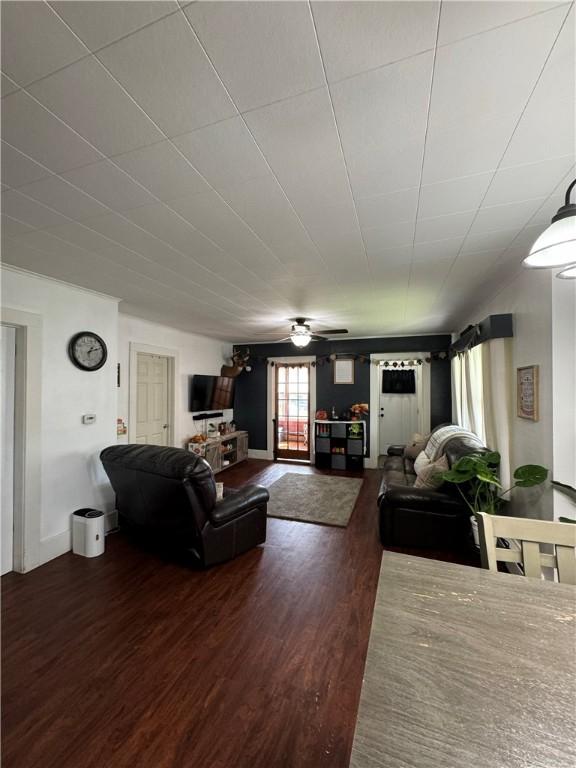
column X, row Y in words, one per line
column 358, row 409
column 484, row 492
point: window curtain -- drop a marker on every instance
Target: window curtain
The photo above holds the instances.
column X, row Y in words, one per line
column 482, row 390
column 398, row 382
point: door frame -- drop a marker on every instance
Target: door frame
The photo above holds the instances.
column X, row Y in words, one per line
column 271, row 389
column 173, row 378
column 27, row 438
column 423, row 392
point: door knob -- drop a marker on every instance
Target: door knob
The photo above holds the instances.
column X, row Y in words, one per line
column 164, row 426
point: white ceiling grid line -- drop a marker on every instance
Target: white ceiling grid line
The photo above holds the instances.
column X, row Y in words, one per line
column 350, row 188
column 247, row 126
column 570, row 8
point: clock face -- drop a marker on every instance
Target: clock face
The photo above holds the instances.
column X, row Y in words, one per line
column 87, row 351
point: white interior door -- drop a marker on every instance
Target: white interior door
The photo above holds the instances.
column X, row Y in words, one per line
column 7, row 378
column 398, row 416
column 152, row 399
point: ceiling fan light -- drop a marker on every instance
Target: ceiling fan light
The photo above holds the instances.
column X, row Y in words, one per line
column 300, row 339
column 568, row 274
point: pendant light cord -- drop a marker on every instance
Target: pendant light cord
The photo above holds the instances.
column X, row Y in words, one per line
column 569, row 191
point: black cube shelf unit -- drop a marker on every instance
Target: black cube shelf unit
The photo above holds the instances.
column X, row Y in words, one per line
column 339, row 444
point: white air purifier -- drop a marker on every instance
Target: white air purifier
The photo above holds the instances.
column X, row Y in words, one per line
column 88, row 532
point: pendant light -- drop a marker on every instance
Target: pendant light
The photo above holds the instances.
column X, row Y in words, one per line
column 556, row 246
column 568, row 274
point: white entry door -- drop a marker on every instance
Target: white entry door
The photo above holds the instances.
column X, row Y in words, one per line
column 152, row 399
column 7, row 377
column 398, row 416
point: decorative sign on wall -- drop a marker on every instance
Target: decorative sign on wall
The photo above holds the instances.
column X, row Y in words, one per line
column 527, row 392
column 343, row 371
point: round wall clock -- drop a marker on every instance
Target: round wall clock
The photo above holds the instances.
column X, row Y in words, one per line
column 87, row 351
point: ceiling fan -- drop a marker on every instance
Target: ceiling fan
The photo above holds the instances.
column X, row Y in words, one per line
column 301, row 335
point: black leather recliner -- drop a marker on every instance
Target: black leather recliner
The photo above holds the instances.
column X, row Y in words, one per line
column 421, row 517
column 170, row 494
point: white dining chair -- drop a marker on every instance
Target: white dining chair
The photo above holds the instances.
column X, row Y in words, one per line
column 525, row 536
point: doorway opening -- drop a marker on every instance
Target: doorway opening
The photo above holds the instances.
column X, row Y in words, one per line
column 8, row 391
column 399, row 401
column 292, row 412
column 152, row 417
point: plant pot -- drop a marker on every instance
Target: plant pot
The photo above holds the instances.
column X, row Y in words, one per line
column 474, row 525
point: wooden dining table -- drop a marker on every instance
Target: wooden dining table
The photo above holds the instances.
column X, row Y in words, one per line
column 467, row 668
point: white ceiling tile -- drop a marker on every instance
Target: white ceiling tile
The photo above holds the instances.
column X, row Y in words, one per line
column 498, row 240
column 162, row 170
column 109, row 185
column 12, row 227
column 453, row 196
column 382, row 120
column 340, row 246
column 300, row 141
column 524, row 182
column 470, row 17
column 225, row 153
column 437, row 250
column 387, row 208
column 500, row 216
column 391, row 257
column 88, row 100
column 33, row 130
column 262, row 204
column 392, row 235
column 501, row 68
column 48, row 43
column 8, row 86
column 545, row 131
column 17, row 169
column 64, row 198
column 355, row 37
column 81, row 236
column 216, row 220
column 49, row 244
column 30, row 212
column 97, row 24
column 252, row 46
column 449, row 153
column 443, row 227
column 167, row 72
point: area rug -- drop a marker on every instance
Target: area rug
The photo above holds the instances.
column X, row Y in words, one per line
column 314, row 498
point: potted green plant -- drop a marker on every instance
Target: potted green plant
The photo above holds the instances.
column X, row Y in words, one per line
column 479, row 471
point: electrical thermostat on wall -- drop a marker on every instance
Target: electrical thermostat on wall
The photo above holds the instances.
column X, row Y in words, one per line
column 89, row 418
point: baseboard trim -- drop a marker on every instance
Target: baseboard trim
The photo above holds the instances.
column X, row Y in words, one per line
column 54, row 546
column 257, row 454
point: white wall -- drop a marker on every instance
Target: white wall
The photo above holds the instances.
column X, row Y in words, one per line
column 71, row 474
column 196, row 354
column 528, row 297
column 564, row 393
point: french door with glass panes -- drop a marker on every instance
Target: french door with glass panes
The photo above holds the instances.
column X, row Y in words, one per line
column 292, row 437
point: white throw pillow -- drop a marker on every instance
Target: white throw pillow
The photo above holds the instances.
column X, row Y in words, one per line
column 430, row 476
column 420, row 462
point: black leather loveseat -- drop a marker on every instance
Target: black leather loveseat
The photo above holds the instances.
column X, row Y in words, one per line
column 420, row 517
column 169, row 495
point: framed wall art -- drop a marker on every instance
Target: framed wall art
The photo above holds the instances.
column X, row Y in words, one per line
column 343, row 371
column 527, row 394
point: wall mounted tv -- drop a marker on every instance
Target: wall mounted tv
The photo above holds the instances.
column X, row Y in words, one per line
column 211, row 393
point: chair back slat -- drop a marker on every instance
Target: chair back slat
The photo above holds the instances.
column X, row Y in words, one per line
column 531, row 559
column 566, row 559
column 529, row 534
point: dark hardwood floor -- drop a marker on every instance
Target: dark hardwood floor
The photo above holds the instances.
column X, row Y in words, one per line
column 133, row 661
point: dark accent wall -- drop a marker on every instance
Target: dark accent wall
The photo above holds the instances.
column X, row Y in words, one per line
column 251, row 400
